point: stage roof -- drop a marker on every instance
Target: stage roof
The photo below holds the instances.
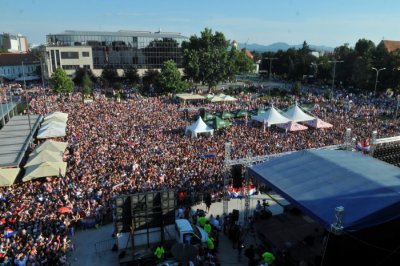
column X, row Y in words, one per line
column 14, row 139
column 317, row 181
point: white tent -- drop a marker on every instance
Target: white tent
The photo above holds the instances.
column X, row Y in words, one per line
column 295, row 114
column 59, row 116
column 271, row 117
column 199, row 127
column 52, row 130
column 46, row 169
column 44, row 156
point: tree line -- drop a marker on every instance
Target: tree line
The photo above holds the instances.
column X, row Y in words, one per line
column 354, row 69
column 210, row 58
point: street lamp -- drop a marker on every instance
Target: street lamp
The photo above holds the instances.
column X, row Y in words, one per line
column 377, row 74
column 334, row 73
column 269, row 74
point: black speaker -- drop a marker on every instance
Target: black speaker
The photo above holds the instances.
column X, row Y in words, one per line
column 123, row 214
column 237, row 176
column 235, row 215
column 202, row 113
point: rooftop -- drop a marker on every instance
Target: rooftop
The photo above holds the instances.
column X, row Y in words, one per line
column 391, row 45
column 13, row 59
column 123, row 33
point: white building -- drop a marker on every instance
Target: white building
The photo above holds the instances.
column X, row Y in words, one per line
column 69, row 58
column 17, row 66
column 13, row 43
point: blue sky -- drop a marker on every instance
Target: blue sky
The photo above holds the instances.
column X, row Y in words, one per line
column 321, row 22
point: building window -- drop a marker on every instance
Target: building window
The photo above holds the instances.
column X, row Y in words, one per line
column 86, row 66
column 85, row 54
column 70, row 67
column 69, row 55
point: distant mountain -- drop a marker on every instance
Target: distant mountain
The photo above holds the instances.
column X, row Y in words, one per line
column 282, row 46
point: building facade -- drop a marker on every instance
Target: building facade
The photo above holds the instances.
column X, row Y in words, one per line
column 119, row 50
column 13, row 43
column 18, row 66
column 69, row 58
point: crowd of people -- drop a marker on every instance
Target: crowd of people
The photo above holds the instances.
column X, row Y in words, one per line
column 139, row 145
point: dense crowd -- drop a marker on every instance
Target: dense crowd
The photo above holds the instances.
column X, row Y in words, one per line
column 138, row 145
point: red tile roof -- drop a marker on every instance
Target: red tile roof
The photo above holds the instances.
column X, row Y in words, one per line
column 391, row 45
column 13, row 59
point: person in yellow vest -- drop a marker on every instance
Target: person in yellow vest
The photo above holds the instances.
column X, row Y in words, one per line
column 268, row 257
column 210, row 243
column 202, row 221
column 159, row 252
column 207, row 227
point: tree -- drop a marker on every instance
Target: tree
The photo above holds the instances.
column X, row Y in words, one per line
column 109, row 74
column 206, row 58
column 60, row 82
column 296, row 88
column 240, row 62
column 86, row 85
column 170, row 78
column 132, row 75
column 80, row 73
column 150, row 79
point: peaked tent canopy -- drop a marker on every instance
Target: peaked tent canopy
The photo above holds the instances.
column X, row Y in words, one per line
column 218, row 123
column 215, row 99
column 228, row 98
column 318, row 123
column 258, row 111
column 292, row 126
column 271, row 117
column 54, row 119
column 50, row 145
column 208, row 116
column 318, row 181
column 227, row 115
column 240, row 113
column 199, row 127
column 44, row 156
column 52, row 130
column 44, row 170
column 63, row 117
column 8, row 176
column 295, row 114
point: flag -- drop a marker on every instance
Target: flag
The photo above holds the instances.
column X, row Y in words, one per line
column 8, row 232
column 207, row 155
column 264, row 125
column 363, row 146
column 74, row 136
column 130, row 143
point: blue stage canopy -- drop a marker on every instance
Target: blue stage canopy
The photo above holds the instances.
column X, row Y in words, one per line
column 317, row 181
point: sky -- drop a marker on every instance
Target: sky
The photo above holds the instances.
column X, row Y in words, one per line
column 319, row 22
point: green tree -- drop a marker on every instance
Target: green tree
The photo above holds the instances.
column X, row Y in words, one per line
column 170, row 80
column 240, row 62
column 131, row 74
column 86, row 85
column 206, row 58
column 150, row 80
column 80, row 73
column 109, row 74
column 296, row 88
column 60, row 82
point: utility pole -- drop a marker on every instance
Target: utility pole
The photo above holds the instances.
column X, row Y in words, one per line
column 376, row 79
column 334, row 73
column 269, row 73
column 27, row 101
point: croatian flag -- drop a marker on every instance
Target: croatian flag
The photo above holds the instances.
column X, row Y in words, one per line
column 363, row 146
column 8, row 232
column 130, row 143
column 74, row 136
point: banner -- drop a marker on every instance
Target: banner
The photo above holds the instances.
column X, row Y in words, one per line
column 238, row 192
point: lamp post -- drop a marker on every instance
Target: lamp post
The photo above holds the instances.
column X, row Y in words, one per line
column 376, row 79
column 334, row 73
column 269, row 73
column 27, row 101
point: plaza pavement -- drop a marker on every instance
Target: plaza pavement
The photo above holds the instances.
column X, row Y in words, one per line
column 84, row 241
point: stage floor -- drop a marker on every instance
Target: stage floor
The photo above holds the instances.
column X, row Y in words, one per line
column 293, row 233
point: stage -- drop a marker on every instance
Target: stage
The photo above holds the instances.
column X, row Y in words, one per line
column 291, row 237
